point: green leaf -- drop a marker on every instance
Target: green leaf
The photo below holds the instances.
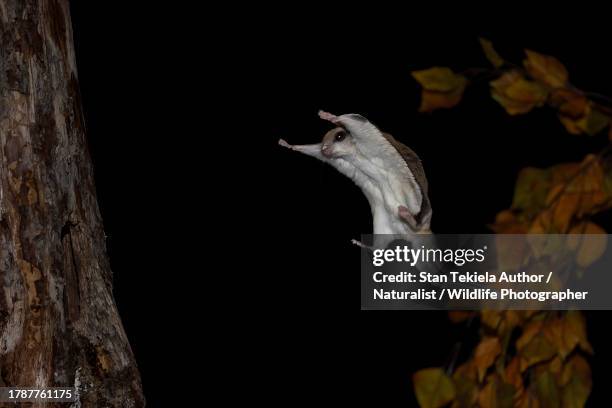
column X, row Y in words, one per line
column 531, row 189
column 546, row 389
column 576, row 392
column 592, row 122
column 433, row 388
column 533, row 347
column 490, row 53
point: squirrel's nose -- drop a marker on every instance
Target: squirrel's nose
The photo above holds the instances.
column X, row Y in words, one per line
column 326, row 150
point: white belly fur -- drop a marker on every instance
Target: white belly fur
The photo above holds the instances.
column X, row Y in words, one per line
column 385, row 193
column 386, row 222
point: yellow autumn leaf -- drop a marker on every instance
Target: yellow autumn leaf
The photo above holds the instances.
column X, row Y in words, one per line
column 570, row 103
column 433, row 388
column 586, row 180
column 578, row 384
column 431, row 100
column 496, row 394
column 500, row 321
column 516, row 94
column 589, row 241
column 512, row 318
column 562, row 193
column 486, row 353
column 563, row 206
column 527, row 400
column 567, row 332
column 512, row 373
column 590, row 183
column 542, row 224
column 490, row 53
column 533, row 346
column 506, row 222
column 555, row 366
column 491, row 318
column 442, row 88
column 557, row 334
column 525, row 91
column 440, row 79
column 575, row 324
column 531, row 189
column 466, row 386
column 546, row 389
column 591, row 122
column 468, row 370
column 563, row 172
column 546, row 69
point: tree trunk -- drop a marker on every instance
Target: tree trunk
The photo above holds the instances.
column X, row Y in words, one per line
column 59, row 325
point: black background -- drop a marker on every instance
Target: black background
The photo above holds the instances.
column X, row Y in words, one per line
column 144, row 88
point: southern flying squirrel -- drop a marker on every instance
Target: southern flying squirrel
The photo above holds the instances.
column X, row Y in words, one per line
column 389, row 173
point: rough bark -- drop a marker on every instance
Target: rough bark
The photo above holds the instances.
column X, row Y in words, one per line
column 59, row 325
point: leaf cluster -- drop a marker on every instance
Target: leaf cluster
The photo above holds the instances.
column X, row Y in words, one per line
column 524, row 359
column 529, row 358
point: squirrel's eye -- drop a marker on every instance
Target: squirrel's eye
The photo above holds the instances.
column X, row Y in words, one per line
column 340, row 136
